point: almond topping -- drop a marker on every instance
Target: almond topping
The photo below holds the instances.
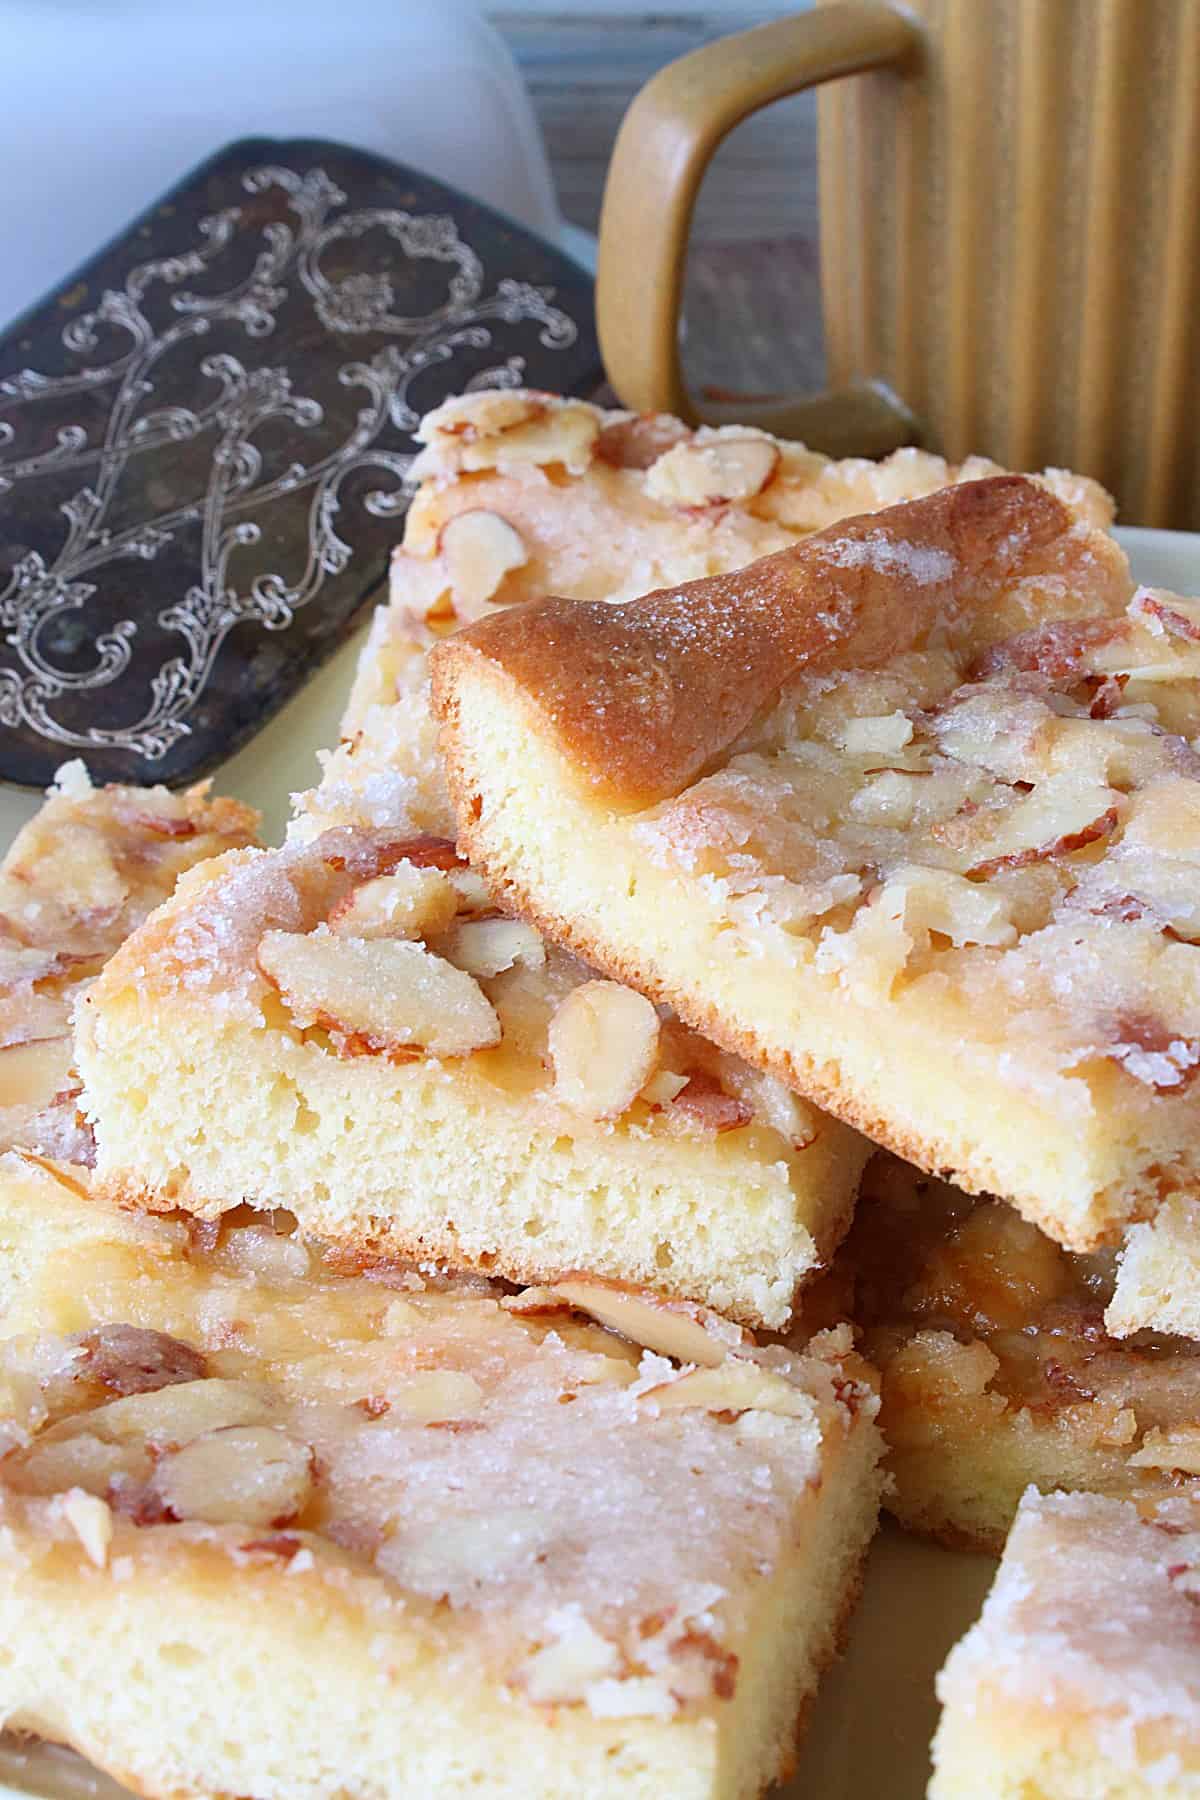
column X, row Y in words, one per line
column 879, row 736
column 128, row 1359
column 637, row 443
column 736, row 1386
column 673, row 1328
column 1167, row 613
column 411, row 902
column 241, row 1475
column 1101, row 825
column 925, row 900
column 561, row 1670
column 603, row 1042
column 486, row 947
column 1176, row 1448
column 474, row 895
column 1146, row 1049
column 423, row 852
column 480, row 549
column 437, row 1396
column 470, row 417
column 710, row 474
column 703, row 1100
column 379, row 996
column 497, row 430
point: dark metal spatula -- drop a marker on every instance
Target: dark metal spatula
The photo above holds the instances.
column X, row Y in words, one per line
column 204, row 439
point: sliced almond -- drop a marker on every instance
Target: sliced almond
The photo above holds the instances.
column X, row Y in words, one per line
column 878, row 736
column 486, row 947
column 242, row 1475
column 436, row 1396
column 736, row 1386
column 263, row 1254
column 496, row 429
column 706, row 1104
column 603, row 1042
column 561, row 1670
column 374, row 857
column 470, row 417
column 675, row 1328
column 90, row 1518
column 1176, row 1448
column 170, row 1415
column 378, row 996
column 77, row 866
column 411, row 902
column 925, row 900
column 479, row 549
column 663, row 1086
column 81, row 1463
column 1168, row 613
column 474, row 894
column 637, row 442
column 1153, row 1054
column 470, row 1552
column 710, row 474
column 128, row 1359
column 565, row 432
column 1060, row 816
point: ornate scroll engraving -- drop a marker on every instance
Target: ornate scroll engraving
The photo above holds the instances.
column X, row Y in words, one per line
column 241, row 406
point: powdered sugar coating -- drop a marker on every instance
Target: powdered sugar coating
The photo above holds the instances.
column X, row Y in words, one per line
column 504, row 1474
column 75, row 882
column 1035, row 837
column 1093, row 1612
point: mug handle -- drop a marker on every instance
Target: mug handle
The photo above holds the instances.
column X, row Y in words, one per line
column 665, row 144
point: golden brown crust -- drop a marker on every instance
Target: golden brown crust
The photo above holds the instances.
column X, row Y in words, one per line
column 642, row 696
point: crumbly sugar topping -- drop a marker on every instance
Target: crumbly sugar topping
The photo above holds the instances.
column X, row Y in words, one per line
column 564, row 498
column 535, row 1484
column 1021, row 822
column 1094, row 1609
column 77, row 879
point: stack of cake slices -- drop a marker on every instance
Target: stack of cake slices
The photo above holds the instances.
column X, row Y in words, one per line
column 716, row 1048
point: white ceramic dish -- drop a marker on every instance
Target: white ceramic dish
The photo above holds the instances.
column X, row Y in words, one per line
column 871, row 1728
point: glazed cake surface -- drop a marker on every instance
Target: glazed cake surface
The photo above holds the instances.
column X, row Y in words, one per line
column 280, row 1522
column 1081, row 1680
column 907, row 810
column 997, row 1368
column 76, row 880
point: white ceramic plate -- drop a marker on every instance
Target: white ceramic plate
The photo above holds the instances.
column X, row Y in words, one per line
column 871, row 1729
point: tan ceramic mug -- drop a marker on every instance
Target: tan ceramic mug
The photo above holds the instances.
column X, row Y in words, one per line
column 1010, row 231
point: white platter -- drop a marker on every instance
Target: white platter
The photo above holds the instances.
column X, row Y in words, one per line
column 876, row 1713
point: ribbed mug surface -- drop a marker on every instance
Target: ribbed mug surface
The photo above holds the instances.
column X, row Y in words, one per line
column 1011, row 238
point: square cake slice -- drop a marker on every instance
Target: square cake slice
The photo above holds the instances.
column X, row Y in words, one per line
column 524, row 494
column 1081, row 1680
column 997, row 1369
column 268, row 1527
column 906, row 814
column 76, row 880
column 347, row 1027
